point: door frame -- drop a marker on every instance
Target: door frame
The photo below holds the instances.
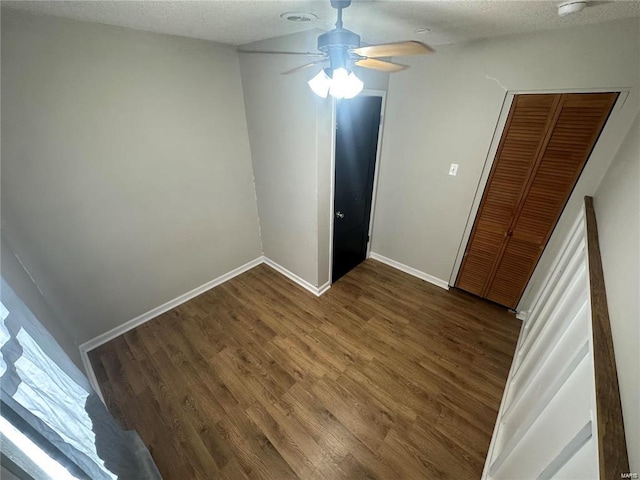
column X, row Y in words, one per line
column 376, row 172
column 491, row 154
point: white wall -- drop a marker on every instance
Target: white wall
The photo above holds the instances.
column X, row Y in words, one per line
column 617, row 205
column 282, row 120
column 22, row 284
column 291, row 135
column 126, row 170
column 444, row 110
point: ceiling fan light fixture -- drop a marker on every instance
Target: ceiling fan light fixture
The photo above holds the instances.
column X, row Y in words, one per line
column 345, row 84
column 354, row 86
column 341, row 84
column 320, row 84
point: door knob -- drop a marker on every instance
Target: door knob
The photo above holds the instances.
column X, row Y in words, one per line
column 339, row 215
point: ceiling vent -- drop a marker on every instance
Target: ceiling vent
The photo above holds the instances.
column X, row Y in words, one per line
column 299, row 17
column 567, row 8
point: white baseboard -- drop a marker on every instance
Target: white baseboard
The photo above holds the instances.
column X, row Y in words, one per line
column 91, row 376
column 165, row 307
column 522, row 315
column 324, row 288
column 105, row 337
column 317, row 291
column 411, row 271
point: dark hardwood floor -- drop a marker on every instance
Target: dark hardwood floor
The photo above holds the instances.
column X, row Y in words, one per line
column 384, row 376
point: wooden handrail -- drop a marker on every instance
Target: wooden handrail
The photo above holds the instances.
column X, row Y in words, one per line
column 612, row 446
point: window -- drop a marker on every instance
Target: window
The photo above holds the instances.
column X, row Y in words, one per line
column 35, row 386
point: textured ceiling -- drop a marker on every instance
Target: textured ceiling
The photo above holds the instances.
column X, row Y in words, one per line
column 241, row 21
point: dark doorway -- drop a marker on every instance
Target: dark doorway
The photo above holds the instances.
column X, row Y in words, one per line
column 357, row 128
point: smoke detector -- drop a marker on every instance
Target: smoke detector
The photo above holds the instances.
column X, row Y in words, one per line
column 572, row 6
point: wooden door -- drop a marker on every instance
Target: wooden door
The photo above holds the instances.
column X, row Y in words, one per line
column 545, row 145
column 357, row 128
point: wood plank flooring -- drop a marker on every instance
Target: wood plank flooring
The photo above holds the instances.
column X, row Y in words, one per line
column 383, row 377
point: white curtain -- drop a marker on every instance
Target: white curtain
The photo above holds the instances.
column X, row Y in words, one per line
column 44, row 389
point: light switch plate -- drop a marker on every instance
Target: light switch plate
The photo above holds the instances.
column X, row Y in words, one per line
column 453, row 169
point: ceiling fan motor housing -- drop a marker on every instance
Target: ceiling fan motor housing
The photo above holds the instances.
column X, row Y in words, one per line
column 340, row 3
column 342, row 38
column 336, row 45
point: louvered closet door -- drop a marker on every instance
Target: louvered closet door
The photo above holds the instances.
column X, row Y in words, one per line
column 529, row 119
column 572, row 126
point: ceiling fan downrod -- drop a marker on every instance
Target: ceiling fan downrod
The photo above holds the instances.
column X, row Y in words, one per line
column 339, row 5
column 337, row 42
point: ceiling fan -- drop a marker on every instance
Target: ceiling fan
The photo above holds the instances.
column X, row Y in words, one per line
column 340, row 49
